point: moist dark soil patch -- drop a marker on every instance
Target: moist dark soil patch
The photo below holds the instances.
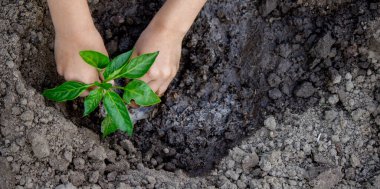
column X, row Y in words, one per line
column 237, row 66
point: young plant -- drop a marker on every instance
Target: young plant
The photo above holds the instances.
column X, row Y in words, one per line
column 122, row 66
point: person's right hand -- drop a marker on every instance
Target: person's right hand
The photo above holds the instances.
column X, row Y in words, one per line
column 69, row 63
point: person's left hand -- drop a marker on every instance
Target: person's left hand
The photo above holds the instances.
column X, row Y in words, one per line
column 165, row 67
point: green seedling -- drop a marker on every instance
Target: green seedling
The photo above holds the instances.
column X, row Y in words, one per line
column 122, row 66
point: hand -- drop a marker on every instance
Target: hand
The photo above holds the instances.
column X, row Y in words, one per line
column 166, row 65
column 69, row 64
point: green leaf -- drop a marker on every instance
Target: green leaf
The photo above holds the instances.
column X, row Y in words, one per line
column 95, row 59
column 140, row 92
column 67, row 91
column 92, row 101
column 116, row 108
column 105, row 86
column 108, row 126
column 138, row 66
column 116, row 64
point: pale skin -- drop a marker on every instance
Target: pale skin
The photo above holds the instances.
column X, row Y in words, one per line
column 75, row 31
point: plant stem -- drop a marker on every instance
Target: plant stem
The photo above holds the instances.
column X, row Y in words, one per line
column 118, row 87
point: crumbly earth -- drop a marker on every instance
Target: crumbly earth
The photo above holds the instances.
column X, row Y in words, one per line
column 270, row 94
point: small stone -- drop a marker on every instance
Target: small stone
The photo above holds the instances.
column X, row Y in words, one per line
column 128, row 146
column 98, row 153
column 10, row 64
column 40, row 146
column 355, row 161
column 68, row 155
column 27, row 116
column 94, row 176
column 169, row 167
column 328, row 179
column 323, row 47
column 77, row 178
column 250, row 161
column 166, row 150
column 270, row 123
column 111, row 176
column 331, row 115
column 269, row 6
column 275, row 93
column 349, row 86
column 360, row 114
column 306, row 90
column 122, row 186
column 274, row 80
column 333, row 99
column 335, row 138
column 265, row 165
column 232, row 174
column 150, row 179
column 66, row 186
column 336, row 79
column 9, row 158
column 79, row 163
column 307, row 149
column 348, row 76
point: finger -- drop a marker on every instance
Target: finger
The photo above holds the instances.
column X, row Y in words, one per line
column 133, row 105
column 155, row 86
column 86, row 92
column 146, row 78
column 163, row 88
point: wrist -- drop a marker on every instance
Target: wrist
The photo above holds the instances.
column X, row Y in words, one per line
column 72, row 32
column 78, row 32
column 167, row 30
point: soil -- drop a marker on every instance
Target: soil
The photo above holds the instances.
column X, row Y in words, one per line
column 270, row 94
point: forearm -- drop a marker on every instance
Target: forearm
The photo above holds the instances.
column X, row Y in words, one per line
column 70, row 16
column 177, row 15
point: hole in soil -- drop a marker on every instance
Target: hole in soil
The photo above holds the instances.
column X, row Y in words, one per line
column 232, row 72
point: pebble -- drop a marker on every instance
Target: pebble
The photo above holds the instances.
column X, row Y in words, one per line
column 265, row 165
column 79, row 163
column 331, row 115
column 94, row 177
column 333, row 99
column 355, row 161
column 151, row 179
column 40, row 146
column 111, row 176
column 306, row 90
column 250, row 161
column 269, row 6
column 9, row 158
column 10, row 64
column 123, row 186
column 232, row 174
column 128, row 146
column 66, row 186
column 335, row 138
column 274, row 80
column 166, row 150
column 349, row 86
column 275, row 93
column 98, row 153
column 336, row 79
column 270, row 123
column 27, row 116
column 77, row 178
column 348, row 76
column 360, row 114
column 68, row 155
